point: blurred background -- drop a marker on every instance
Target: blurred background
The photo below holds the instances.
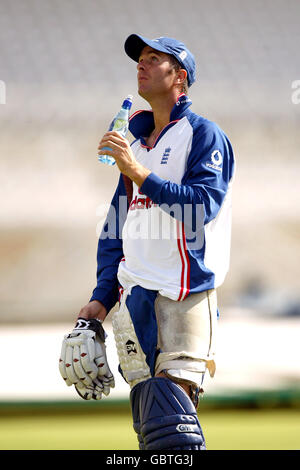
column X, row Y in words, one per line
column 63, row 76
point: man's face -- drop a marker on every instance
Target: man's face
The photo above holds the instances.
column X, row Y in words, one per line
column 155, row 75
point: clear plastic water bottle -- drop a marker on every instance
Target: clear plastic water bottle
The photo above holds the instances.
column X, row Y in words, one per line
column 120, row 123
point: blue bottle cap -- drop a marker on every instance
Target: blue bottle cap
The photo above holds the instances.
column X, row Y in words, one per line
column 127, row 103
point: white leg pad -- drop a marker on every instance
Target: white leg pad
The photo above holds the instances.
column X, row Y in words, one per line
column 187, row 335
column 131, row 356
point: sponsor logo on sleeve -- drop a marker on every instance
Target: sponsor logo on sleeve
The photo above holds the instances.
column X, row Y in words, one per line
column 216, row 160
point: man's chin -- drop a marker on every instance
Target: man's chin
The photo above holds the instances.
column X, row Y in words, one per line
column 143, row 93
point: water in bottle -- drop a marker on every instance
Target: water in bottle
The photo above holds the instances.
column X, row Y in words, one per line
column 120, row 124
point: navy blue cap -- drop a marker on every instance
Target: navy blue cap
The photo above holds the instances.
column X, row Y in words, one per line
column 134, row 45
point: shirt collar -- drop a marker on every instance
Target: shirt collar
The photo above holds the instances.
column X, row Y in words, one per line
column 141, row 123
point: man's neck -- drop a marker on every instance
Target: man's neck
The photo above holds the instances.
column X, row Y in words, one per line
column 161, row 113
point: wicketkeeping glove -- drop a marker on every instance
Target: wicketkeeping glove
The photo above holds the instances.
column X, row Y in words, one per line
column 83, row 361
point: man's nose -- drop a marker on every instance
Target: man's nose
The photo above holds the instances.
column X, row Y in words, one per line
column 141, row 65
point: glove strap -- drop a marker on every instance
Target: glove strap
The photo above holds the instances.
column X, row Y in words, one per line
column 94, row 324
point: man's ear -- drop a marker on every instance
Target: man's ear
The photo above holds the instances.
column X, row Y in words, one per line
column 181, row 76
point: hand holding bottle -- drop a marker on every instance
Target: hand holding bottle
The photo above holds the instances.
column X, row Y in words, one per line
column 125, row 159
column 119, row 124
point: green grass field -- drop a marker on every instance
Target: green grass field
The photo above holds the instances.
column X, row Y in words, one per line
column 273, row 429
